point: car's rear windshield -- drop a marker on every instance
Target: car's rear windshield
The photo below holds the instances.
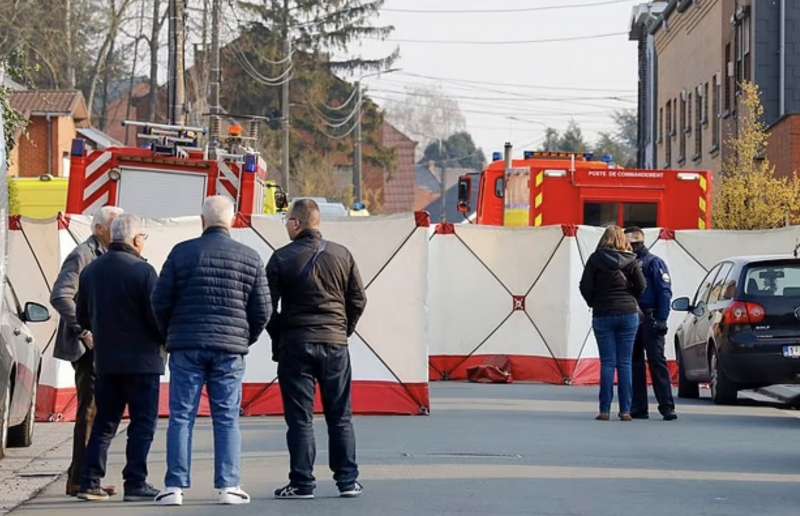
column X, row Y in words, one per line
column 773, row 280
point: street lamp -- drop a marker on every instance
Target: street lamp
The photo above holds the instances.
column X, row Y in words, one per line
column 358, row 177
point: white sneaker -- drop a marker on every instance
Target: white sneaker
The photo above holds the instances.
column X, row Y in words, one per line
column 233, row 496
column 170, row 496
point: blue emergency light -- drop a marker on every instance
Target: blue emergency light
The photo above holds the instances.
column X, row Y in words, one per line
column 607, row 158
column 589, row 156
column 250, row 163
column 497, row 156
column 528, row 154
column 78, row 147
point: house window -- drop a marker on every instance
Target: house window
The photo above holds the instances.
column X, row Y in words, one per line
column 682, row 131
column 668, row 143
column 727, row 74
column 715, row 114
column 660, row 125
column 743, row 43
column 705, row 104
column 689, row 114
column 698, row 126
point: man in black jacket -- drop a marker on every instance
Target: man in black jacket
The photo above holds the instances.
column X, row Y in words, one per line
column 114, row 304
column 321, row 297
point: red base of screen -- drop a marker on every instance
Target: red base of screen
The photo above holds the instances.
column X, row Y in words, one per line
column 525, row 368
column 262, row 399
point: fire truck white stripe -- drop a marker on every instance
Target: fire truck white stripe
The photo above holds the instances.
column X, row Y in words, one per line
column 221, row 190
column 96, row 164
column 96, row 185
column 100, row 202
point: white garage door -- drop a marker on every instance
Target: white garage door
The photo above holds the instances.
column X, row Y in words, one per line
column 160, row 194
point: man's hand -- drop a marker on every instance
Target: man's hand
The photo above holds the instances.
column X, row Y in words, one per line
column 88, row 339
column 660, row 327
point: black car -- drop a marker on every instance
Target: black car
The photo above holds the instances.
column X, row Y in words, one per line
column 20, row 363
column 742, row 330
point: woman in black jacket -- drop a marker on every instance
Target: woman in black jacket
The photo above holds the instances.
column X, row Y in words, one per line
column 611, row 285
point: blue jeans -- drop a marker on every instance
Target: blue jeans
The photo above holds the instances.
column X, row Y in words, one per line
column 615, row 336
column 222, row 374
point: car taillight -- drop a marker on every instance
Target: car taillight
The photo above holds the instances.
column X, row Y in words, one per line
column 744, row 313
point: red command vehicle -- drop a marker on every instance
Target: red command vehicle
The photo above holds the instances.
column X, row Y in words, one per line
column 168, row 177
column 550, row 188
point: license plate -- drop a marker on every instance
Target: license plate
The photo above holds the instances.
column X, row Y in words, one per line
column 791, row 351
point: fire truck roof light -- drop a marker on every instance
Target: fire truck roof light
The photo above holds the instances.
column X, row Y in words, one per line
column 497, row 156
column 250, row 163
column 589, row 156
column 78, row 147
column 528, row 154
column 686, row 176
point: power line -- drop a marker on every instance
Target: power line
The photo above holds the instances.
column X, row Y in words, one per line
column 493, row 11
column 510, row 99
column 509, row 84
column 505, row 42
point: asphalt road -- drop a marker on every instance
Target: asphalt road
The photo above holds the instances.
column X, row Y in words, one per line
column 518, row 449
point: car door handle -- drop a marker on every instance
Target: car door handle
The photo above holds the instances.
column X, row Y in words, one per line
column 17, row 332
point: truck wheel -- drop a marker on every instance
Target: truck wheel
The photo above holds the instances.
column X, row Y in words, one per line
column 21, row 436
column 5, row 408
column 723, row 390
column 687, row 389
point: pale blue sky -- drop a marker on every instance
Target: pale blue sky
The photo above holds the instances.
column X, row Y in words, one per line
column 606, row 65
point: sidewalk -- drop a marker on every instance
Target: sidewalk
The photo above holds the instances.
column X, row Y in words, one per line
column 26, row 471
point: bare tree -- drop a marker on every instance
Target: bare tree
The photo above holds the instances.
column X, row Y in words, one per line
column 426, row 114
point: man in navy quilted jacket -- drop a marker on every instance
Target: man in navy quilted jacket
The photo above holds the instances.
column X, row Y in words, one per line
column 212, row 303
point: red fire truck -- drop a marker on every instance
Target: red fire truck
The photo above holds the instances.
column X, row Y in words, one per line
column 169, row 175
column 548, row 188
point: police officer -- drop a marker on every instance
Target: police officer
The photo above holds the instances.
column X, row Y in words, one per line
column 650, row 339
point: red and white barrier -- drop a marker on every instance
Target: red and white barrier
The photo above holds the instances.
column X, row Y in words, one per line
column 389, row 351
column 510, row 296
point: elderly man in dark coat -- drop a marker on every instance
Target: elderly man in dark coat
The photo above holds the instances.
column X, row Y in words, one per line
column 74, row 343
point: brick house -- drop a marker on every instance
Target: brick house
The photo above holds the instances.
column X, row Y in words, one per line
column 54, row 116
column 693, row 58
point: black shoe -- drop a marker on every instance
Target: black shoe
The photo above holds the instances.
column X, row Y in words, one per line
column 353, row 490
column 93, row 494
column 640, row 415
column 143, row 493
column 290, row 492
column 669, row 416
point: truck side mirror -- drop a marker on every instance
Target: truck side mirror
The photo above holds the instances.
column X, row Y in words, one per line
column 464, row 194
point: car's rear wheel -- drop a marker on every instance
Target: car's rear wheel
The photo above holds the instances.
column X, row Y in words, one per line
column 686, row 388
column 6, row 408
column 723, row 390
column 21, row 436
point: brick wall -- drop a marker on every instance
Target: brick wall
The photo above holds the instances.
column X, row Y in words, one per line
column 32, row 149
column 400, row 184
column 784, row 146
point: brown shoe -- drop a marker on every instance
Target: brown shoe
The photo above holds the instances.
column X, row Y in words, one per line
column 625, row 417
column 73, row 490
column 110, row 490
column 603, row 416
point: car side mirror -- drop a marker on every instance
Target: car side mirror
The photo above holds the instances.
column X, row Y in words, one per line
column 464, row 194
column 682, row 304
column 34, row 312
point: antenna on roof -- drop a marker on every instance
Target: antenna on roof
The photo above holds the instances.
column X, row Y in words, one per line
column 796, row 252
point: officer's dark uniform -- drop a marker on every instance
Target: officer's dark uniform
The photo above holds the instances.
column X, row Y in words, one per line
column 655, row 303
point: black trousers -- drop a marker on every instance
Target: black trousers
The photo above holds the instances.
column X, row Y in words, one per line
column 650, row 343
column 113, row 393
column 300, row 367
column 84, row 417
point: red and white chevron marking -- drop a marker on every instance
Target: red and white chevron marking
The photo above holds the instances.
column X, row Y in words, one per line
column 98, row 186
column 228, row 183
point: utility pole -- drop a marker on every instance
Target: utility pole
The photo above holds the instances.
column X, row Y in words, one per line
column 213, row 96
column 287, row 51
column 177, row 65
column 358, row 176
